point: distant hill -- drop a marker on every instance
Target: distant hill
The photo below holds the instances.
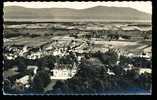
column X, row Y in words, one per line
column 96, row 13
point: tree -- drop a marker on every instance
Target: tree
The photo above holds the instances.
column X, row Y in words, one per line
column 40, row 81
column 145, row 81
column 118, row 70
column 21, row 63
column 7, row 86
column 108, row 58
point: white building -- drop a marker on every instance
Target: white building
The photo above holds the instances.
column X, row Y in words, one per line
column 24, row 81
column 110, row 72
column 63, row 74
column 143, row 70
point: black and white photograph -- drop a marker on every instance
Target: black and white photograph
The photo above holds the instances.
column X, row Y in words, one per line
column 77, row 48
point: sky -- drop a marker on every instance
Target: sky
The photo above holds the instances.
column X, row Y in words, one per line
column 144, row 6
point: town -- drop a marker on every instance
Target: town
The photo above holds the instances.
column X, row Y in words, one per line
column 61, row 56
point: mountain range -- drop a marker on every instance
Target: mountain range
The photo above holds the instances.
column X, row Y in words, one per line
column 94, row 13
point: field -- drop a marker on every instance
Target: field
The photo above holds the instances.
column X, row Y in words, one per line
column 46, row 32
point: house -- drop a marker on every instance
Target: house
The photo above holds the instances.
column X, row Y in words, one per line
column 23, row 80
column 110, row 72
column 143, row 70
column 63, row 74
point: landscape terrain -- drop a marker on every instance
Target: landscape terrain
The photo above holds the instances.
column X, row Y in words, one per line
column 97, row 50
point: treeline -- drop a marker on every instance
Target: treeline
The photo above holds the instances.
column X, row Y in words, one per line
column 22, row 63
column 139, row 62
